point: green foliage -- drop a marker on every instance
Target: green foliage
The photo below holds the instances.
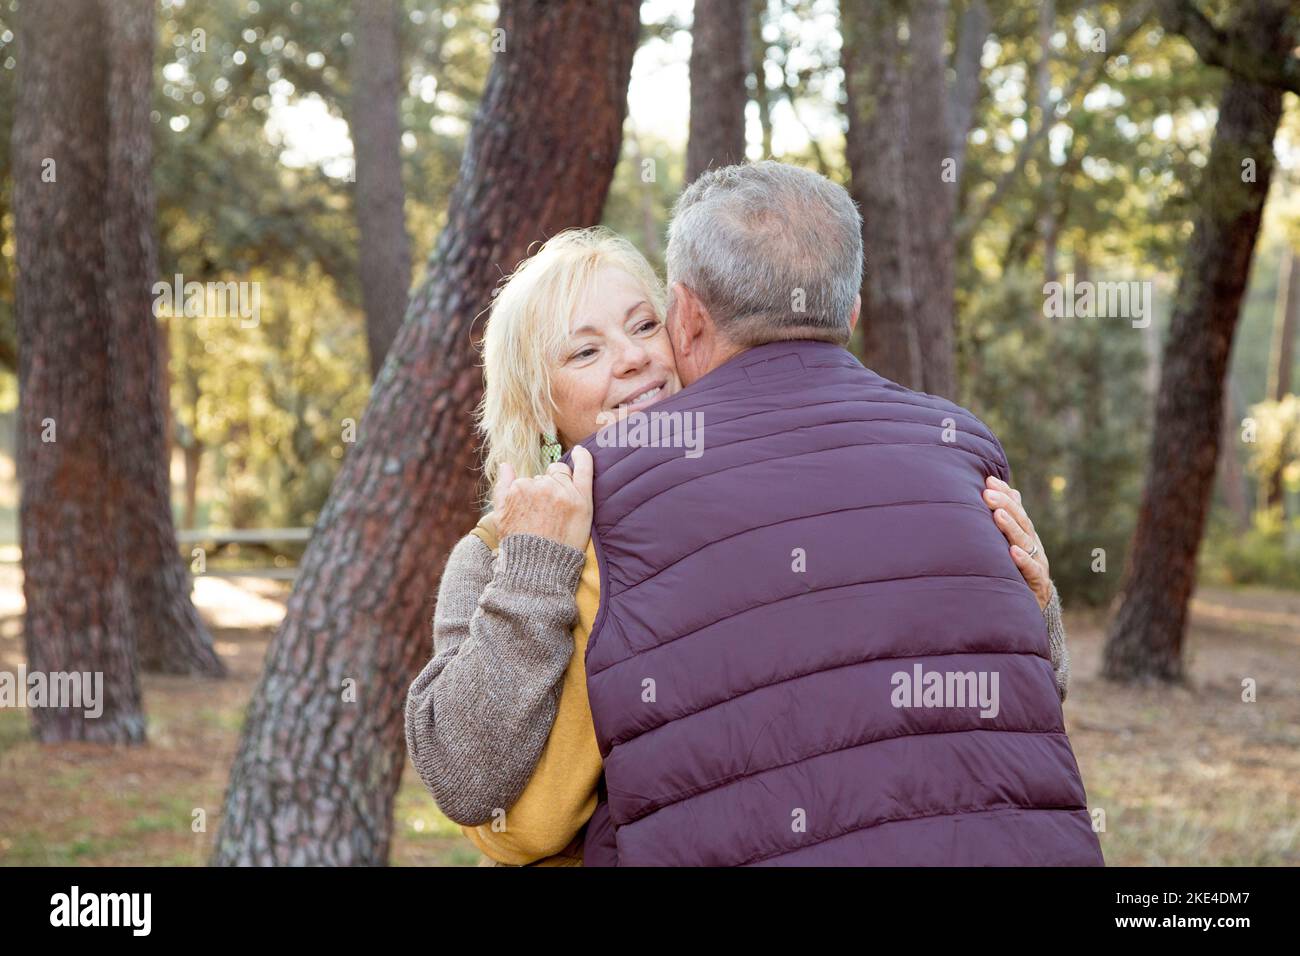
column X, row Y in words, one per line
column 1067, row 400
column 271, row 401
column 646, row 183
column 1070, row 399
column 1268, row 553
column 1277, row 439
column 266, row 406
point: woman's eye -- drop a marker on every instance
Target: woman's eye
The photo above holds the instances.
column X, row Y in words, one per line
column 649, row 325
column 585, row 353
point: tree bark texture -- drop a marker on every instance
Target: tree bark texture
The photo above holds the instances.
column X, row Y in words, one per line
column 719, row 65
column 1145, row 638
column 315, row 774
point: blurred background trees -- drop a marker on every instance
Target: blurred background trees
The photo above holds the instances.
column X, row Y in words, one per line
column 995, row 146
column 1087, row 126
column 1146, row 634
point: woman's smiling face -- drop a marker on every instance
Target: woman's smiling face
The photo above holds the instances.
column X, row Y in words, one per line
column 617, row 358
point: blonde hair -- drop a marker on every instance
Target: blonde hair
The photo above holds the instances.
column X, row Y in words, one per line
column 525, row 335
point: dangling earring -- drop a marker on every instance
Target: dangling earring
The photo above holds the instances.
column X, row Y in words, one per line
column 551, row 450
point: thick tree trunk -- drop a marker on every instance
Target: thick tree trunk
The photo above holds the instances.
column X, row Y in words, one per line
column 934, row 190
column 1282, row 355
column 376, row 129
column 719, row 65
column 1145, row 640
column 876, row 148
column 78, row 616
column 323, row 745
column 905, row 146
column 171, row 638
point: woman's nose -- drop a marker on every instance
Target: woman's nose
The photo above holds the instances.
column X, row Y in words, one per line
column 632, row 356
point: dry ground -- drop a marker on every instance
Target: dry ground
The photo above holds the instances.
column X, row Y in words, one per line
column 1189, row 775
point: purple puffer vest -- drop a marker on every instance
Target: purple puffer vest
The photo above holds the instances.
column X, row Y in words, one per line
column 773, row 615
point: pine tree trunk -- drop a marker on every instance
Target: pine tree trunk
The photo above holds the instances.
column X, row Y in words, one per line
column 647, row 201
column 376, row 128
column 1043, row 92
column 193, row 455
column 1232, row 476
column 1145, row 640
column 719, row 65
column 78, row 616
column 315, row 775
column 758, row 66
column 966, row 88
column 876, row 148
column 934, row 189
column 171, row 638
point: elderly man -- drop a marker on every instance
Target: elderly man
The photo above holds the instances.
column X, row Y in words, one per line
column 811, row 645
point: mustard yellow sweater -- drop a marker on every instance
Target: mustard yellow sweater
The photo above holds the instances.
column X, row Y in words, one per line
column 544, row 827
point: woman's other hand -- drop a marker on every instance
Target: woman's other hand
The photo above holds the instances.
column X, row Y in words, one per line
column 555, row 505
column 1026, row 548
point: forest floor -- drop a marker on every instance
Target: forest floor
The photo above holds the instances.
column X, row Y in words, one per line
column 1189, row 775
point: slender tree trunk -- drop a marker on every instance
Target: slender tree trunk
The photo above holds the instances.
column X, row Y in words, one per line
column 323, row 745
column 1231, row 474
column 646, row 200
column 1282, row 355
column 1151, row 351
column 8, row 329
column 1082, row 421
column 1145, row 639
column 78, row 616
column 758, row 63
column 876, row 148
column 1043, row 84
column 376, row 129
column 193, row 447
column 719, row 65
column 165, row 394
column 193, row 453
column 973, row 32
column 171, row 638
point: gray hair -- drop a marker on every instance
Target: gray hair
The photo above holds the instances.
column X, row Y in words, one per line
column 773, row 251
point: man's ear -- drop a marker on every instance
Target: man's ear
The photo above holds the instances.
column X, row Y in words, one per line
column 857, row 310
column 689, row 317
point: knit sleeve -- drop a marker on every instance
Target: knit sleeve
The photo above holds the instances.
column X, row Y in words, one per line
column 1056, row 644
column 479, row 713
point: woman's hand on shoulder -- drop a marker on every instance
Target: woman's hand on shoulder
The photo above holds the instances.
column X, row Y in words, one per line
column 555, row 505
column 1026, row 548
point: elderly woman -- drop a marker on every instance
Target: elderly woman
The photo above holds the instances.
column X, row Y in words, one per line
column 498, row 722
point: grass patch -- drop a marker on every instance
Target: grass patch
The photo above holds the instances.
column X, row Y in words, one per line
column 15, row 728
